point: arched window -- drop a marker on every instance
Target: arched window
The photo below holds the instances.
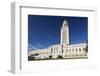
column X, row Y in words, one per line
column 79, row 49
column 83, row 49
column 76, row 50
column 73, row 49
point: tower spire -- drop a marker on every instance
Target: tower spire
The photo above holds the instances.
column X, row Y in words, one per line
column 65, row 22
column 65, row 32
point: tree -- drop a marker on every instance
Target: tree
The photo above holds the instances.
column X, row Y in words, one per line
column 86, row 49
column 31, row 58
column 50, row 57
column 59, row 57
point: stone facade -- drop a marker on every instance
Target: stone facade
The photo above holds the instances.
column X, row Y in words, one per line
column 66, row 51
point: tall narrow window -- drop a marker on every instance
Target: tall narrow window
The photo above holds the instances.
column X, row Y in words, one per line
column 76, row 49
column 79, row 49
column 69, row 50
column 83, row 49
column 73, row 49
column 51, row 50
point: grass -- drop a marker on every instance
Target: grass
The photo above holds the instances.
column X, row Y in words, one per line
column 59, row 59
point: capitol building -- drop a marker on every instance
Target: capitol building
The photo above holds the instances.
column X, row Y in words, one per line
column 62, row 50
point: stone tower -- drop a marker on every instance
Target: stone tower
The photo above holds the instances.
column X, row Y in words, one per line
column 65, row 33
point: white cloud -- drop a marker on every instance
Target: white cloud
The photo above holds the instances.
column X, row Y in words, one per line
column 39, row 45
column 31, row 47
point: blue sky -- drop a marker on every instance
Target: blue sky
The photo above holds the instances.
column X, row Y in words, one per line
column 44, row 31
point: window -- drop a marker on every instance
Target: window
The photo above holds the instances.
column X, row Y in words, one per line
column 51, row 50
column 62, row 51
column 57, row 50
column 72, row 55
column 79, row 49
column 73, row 49
column 66, row 50
column 76, row 55
column 76, row 49
column 69, row 50
column 83, row 49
